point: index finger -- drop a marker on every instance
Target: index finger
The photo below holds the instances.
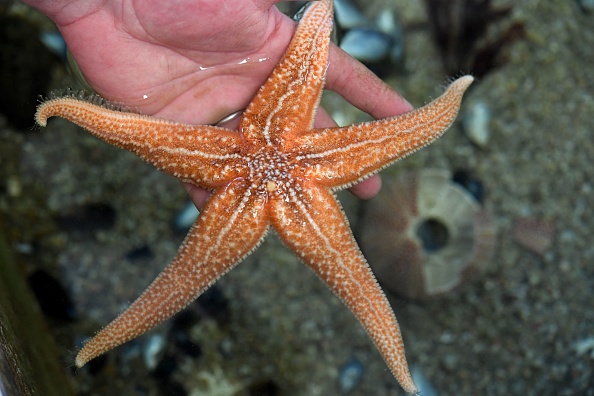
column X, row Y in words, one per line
column 360, row 87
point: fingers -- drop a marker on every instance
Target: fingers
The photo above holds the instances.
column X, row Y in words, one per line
column 323, row 119
column 359, row 86
column 198, row 195
column 368, row 188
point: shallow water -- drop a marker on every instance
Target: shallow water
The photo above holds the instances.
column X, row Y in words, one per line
column 524, row 327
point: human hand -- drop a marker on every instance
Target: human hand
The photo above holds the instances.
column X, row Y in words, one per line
column 196, row 61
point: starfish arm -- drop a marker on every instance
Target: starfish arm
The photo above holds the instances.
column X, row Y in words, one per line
column 340, row 157
column 169, row 146
column 316, row 229
column 231, row 225
column 288, row 100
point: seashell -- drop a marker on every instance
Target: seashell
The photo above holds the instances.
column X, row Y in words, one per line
column 533, row 234
column 367, row 45
column 153, row 350
column 348, row 15
column 425, row 235
column 54, row 42
column 371, row 41
column 475, row 122
column 587, row 6
column 388, row 24
column 426, row 388
column 350, row 375
column 184, row 219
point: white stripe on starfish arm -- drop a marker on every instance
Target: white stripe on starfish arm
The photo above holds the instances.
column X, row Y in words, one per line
column 207, row 253
column 317, row 231
column 296, row 82
column 160, row 142
column 350, row 154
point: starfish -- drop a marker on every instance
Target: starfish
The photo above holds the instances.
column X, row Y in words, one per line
column 275, row 172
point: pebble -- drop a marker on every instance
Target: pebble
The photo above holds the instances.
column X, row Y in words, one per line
column 347, row 14
column 476, row 121
column 425, row 387
column 388, row 24
column 186, row 217
column 586, row 6
column 350, row 375
column 585, row 346
column 152, row 350
column 366, row 45
column 372, row 42
column 14, row 186
column 54, row 42
column 536, row 235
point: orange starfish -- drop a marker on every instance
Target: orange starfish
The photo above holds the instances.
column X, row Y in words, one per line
column 275, row 172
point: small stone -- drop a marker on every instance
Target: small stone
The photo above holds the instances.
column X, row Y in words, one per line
column 533, row 234
column 350, row 375
column 14, row 187
column 476, row 121
column 152, row 350
column 585, row 346
column 186, row 217
column 366, row 45
column 586, row 6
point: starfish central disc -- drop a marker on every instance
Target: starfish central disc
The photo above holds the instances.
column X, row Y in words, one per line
column 271, row 173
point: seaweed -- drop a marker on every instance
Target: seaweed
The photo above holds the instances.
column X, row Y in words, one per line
column 471, row 34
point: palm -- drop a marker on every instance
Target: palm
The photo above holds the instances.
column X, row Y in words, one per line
column 192, row 61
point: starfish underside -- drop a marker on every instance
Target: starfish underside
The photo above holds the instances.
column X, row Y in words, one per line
column 275, row 172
